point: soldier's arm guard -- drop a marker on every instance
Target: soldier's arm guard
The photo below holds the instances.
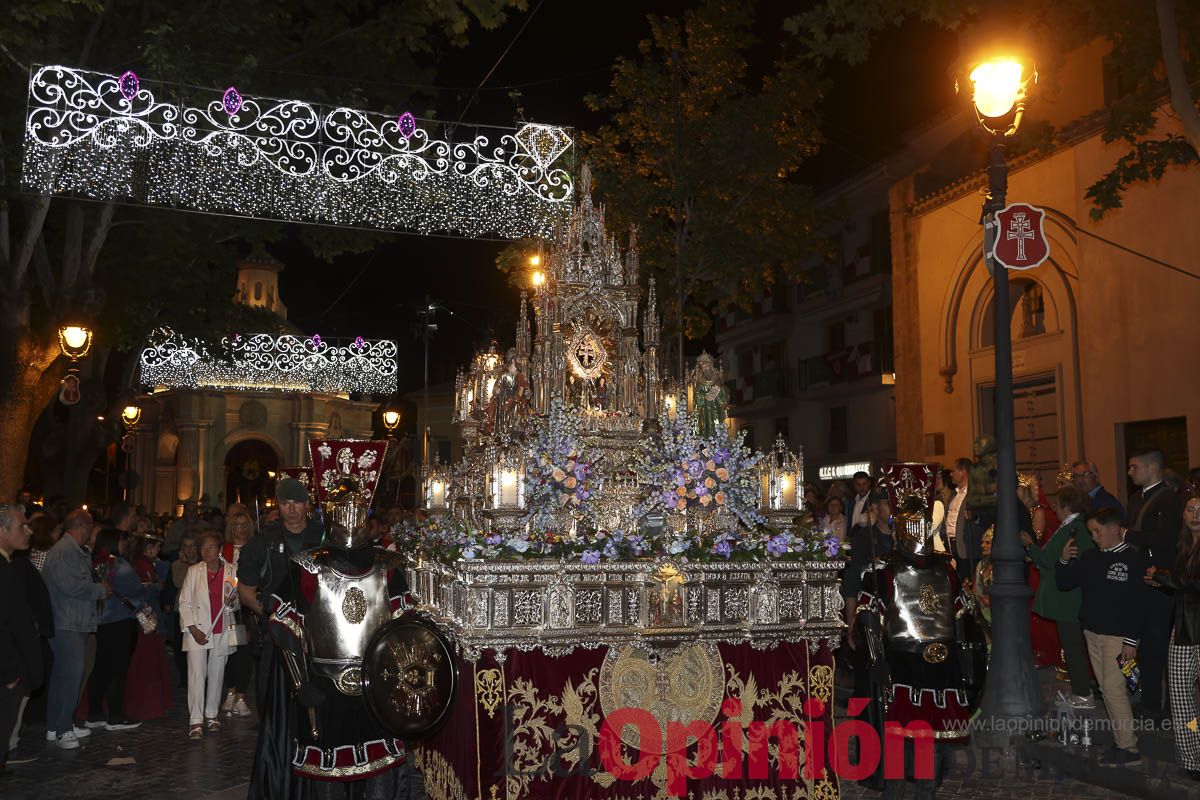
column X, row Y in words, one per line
column 286, row 626
column 870, row 631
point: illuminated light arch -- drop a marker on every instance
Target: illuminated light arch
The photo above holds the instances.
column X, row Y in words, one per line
column 268, row 362
column 109, row 137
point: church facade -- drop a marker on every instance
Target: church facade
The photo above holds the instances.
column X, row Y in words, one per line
column 223, row 433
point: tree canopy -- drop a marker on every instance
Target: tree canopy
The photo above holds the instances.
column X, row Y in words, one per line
column 130, row 270
column 707, row 128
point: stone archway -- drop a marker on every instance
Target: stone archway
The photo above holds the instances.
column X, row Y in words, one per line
column 251, row 467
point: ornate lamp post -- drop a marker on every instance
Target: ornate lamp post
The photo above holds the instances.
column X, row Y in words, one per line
column 131, row 414
column 998, row 96
column 75, row 341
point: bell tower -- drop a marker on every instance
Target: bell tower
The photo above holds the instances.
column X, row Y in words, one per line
column 258, row 284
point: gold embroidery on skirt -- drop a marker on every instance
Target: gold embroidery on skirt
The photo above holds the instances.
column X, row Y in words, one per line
column 489, row 690
column 441, row 781
column 685, row 686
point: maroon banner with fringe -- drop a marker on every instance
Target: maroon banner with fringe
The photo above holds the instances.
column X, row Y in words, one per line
column 534, row 726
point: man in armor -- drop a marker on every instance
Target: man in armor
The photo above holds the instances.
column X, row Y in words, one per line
column 336, row 597
column 915, row 620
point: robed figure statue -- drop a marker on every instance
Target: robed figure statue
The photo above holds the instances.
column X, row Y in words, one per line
column 709, row 396
column 508, row 407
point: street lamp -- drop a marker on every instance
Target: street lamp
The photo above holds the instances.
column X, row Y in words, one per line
column 1011, row 693
column 131, row 414
column 75, row 341
column 390, row 414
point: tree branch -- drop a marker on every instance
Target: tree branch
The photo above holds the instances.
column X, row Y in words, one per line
column 72, row 246
column 33, row 229
column 104, row 223
column 41, row 265
column 1181, row 96
column 8, row 53
column 93, row 32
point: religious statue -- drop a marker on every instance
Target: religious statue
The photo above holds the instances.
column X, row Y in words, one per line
column 709, row 396
column 509, row 405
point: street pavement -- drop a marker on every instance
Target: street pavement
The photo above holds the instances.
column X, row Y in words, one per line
column 159, row 761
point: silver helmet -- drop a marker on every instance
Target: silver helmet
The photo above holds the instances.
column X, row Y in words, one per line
column 346, row 516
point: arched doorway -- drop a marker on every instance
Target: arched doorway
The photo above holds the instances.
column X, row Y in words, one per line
column 250, row 469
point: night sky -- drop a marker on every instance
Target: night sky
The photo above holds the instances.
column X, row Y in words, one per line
column 565, row 52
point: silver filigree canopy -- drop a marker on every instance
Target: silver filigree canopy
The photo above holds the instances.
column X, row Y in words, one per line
column 109, row 137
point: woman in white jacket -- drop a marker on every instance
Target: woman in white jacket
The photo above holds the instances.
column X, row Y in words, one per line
column 208, row 592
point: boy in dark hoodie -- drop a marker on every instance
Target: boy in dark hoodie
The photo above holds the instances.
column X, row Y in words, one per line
column 1113, row 614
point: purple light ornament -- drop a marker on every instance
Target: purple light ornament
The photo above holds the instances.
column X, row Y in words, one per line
column 128, row 84
column 407, row 124
column 232, row 101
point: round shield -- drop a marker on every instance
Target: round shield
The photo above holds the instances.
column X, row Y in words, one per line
column 409, row 677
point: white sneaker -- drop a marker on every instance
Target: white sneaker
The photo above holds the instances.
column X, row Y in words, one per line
column 240, row 709
column 51, row 736
column 227, row 706
column 68, row 741
column 1085, row 702
column 96, row 723
column 82, row 733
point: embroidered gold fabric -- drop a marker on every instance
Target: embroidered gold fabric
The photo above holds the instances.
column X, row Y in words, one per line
column 489, row 690
column 820, row 682
column 441, row 781
column 927, row 598
column 684, row 686
column 534, row 721
column 354, row 605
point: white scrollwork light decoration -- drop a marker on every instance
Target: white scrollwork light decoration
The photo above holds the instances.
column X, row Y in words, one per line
column 106, row 137
column 265, row 361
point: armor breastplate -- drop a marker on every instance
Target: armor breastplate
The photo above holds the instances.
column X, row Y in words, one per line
column 345, row 611
column 922, row 609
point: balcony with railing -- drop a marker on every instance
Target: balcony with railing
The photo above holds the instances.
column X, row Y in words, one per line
column 768, row 384
column 845, row 365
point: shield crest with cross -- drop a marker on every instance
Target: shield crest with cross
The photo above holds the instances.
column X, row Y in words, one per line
column 1020, row 239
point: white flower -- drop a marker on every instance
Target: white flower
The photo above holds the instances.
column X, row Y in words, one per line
column 325, row 450
column 366, row 459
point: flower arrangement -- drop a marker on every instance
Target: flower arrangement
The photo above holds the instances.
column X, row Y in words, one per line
column 447, row 539
column 560, row 474
column 688, row 472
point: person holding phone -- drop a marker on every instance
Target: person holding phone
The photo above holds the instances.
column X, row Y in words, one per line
column 1115, row 601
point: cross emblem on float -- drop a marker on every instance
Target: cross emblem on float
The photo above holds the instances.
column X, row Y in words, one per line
column 586, row 353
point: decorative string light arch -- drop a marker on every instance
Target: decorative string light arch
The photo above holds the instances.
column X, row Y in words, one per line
column 108, row 137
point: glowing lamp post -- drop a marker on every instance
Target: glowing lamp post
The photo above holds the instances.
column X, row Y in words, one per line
column 131, row 414
column 998, row 97
column 391, row 419
column 75, row 341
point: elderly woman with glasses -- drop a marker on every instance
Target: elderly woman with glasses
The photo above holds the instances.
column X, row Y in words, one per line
column 239, row 529
column 206, row 596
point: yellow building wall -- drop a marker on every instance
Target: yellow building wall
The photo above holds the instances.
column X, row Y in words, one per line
column 1127, row 340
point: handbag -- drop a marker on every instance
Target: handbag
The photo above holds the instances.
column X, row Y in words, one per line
column 236, row 633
